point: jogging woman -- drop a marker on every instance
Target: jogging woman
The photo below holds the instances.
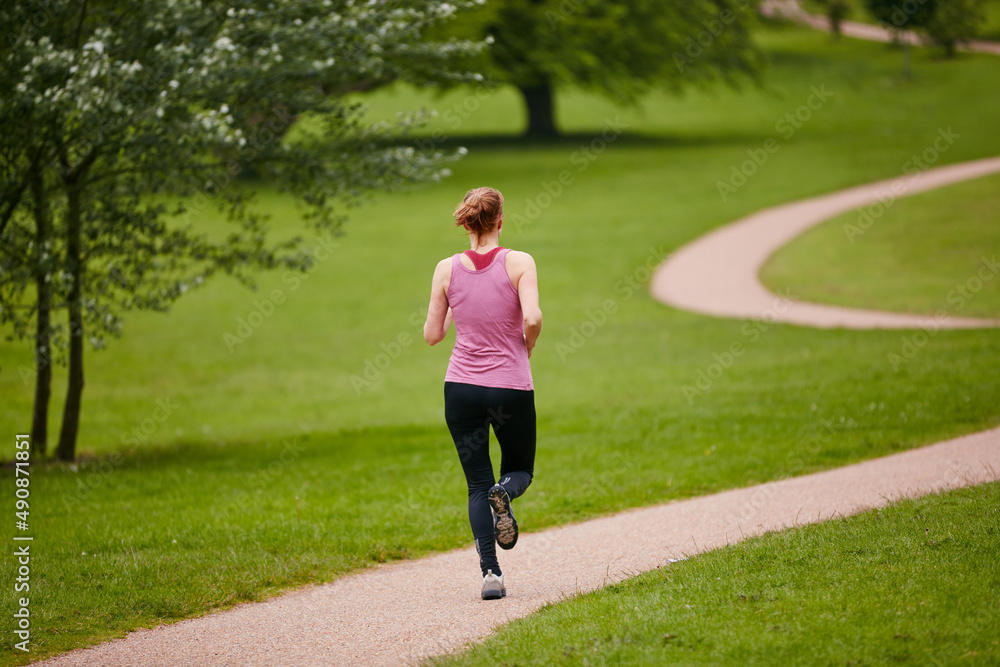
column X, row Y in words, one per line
column 491, row 293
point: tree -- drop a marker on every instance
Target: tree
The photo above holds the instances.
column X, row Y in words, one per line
column 25, row 254
column 619, row 49
column 900, row 17
column 120, row 116
column 955, row 22
column 836, row 12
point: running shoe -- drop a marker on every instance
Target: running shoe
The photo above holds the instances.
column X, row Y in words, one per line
column 493, row 588
column 504, row 523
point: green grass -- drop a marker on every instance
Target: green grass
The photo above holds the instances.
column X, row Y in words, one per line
column 913, row 583
column 247, row 524
column 936, row 251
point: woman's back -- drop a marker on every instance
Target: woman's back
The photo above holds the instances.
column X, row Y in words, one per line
column 489, row 326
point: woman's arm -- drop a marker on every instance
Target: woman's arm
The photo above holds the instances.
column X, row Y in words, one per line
column 438, row 312
column 527, row 290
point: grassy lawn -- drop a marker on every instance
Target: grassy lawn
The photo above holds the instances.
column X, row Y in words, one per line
column 912, row 583
column 271, row 465
column 938, row 250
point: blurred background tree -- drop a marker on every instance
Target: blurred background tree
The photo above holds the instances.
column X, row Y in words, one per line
column 119, row 117
column 946, row 24
column 619, row 49
column 836, row 12
column 955, row 22
column 897, row 18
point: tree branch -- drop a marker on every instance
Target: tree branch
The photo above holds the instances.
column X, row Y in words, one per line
column 15, row 199
column 79, row 25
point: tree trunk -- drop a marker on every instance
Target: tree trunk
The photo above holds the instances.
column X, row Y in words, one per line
column 541, row 110
column 43, row 345
column 74, row 391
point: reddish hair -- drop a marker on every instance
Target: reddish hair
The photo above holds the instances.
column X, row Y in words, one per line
column 480, row 210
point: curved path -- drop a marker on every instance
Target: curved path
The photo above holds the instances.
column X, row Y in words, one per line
column 790, row 9
column 717, row 274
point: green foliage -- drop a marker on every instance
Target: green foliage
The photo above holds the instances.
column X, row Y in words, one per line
column 618, row 49
column 946, row 22
column 895, row 15
column 138, row 100
column 621, row 48
column 955, row 22
column 123, row 117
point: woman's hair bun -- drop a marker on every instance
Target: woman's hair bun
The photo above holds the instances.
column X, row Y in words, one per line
column 480, row 210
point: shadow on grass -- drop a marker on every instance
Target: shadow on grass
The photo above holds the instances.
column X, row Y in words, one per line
column 247, row 454
column 576, row 140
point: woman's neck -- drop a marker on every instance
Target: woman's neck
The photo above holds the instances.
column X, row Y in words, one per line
column 484, row 244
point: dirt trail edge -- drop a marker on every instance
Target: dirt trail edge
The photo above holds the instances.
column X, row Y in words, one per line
column 403, row 612
column 717, row 274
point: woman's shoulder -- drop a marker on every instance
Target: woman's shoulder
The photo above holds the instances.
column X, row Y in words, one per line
column 443, row 267
column 447, row 261
column 520, row 257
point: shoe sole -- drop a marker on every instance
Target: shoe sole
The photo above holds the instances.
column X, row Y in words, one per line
column 505, row 525
column 494, row 595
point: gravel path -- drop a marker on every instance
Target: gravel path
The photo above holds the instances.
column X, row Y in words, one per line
column 790, row 9
column 400, row 613
column 717, row 273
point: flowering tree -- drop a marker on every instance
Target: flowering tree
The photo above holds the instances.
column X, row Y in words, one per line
column 118, row 116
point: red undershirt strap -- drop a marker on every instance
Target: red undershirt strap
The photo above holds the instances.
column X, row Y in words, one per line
column 481, row 261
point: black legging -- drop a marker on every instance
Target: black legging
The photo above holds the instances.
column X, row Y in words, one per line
column 470, row 410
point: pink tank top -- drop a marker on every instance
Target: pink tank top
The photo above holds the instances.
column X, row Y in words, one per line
column 489, row 328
